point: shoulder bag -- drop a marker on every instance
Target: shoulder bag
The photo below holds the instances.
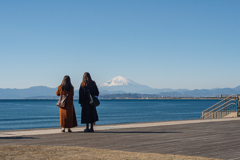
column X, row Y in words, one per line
column 62, row 101
column 93, row 100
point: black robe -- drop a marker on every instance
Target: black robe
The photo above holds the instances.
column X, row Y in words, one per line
column 89, row 113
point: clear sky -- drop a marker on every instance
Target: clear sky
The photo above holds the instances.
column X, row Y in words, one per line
column 160, row 43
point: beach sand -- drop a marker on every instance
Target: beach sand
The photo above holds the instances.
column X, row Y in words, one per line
column 231, row 115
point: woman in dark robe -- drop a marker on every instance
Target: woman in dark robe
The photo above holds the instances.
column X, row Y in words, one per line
column 67, row 115
column 89, row 113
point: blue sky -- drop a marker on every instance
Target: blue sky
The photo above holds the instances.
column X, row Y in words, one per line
column 163, row 44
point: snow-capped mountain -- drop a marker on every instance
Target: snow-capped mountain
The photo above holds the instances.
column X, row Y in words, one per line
column 121, row 84
column 119, row 81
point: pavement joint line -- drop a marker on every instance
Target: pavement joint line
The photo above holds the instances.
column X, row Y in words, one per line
column 31, row 132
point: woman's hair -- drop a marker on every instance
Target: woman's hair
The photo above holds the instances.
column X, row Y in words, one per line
column 87, row 80
column 66, row 84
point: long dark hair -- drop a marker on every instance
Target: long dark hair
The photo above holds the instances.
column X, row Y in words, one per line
column 87, row 80
column 66, row 84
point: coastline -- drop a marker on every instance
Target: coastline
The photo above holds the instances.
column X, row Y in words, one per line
column 167, row 98
column 149, row 98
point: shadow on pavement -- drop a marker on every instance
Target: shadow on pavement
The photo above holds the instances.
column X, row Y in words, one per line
column 17, row 138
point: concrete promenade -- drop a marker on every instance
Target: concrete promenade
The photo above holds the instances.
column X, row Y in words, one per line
column 214, row 138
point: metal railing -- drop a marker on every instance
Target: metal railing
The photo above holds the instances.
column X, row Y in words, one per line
column 222, row 108
column 238, row 106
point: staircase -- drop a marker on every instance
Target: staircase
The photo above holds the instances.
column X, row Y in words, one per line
column 222, row 108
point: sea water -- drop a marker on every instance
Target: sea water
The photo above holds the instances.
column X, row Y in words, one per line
column 28, row 114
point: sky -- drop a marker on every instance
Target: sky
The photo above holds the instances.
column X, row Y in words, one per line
column 174, row 44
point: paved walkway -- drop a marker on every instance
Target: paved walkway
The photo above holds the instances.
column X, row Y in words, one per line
column 215, row 138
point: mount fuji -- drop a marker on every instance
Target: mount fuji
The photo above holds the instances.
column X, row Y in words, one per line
column 121, row 84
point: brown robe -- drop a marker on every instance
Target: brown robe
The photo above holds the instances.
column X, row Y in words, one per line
column 67, row 115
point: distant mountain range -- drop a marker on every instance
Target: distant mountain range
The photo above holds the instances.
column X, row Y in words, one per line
column 27, row 93
column 119, row 86
column 123, row 85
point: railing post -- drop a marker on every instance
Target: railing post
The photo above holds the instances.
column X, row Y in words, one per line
column 238, row 105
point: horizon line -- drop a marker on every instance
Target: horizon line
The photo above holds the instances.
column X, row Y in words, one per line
column 150, row 87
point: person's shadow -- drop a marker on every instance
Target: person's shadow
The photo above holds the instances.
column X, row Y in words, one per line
column 17, row 138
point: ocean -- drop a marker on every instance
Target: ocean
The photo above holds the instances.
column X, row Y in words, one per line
column 30, row 114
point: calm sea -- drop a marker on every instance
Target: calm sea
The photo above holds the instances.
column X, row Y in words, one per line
column 27, row 114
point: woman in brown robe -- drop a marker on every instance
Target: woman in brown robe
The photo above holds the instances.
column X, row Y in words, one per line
column 67, row 115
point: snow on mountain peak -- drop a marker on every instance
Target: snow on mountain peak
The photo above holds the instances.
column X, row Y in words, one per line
column 119, row 81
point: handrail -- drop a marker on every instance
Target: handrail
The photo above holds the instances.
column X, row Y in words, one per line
column 234, row 104
column 231, row 100
column 221, row 105
column 205, row 114
column 219, row 102
column 212, row 113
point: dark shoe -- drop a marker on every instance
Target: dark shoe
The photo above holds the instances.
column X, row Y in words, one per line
column 91, row 130
column 69, row 130
column 63, row 130
column 86, row 130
